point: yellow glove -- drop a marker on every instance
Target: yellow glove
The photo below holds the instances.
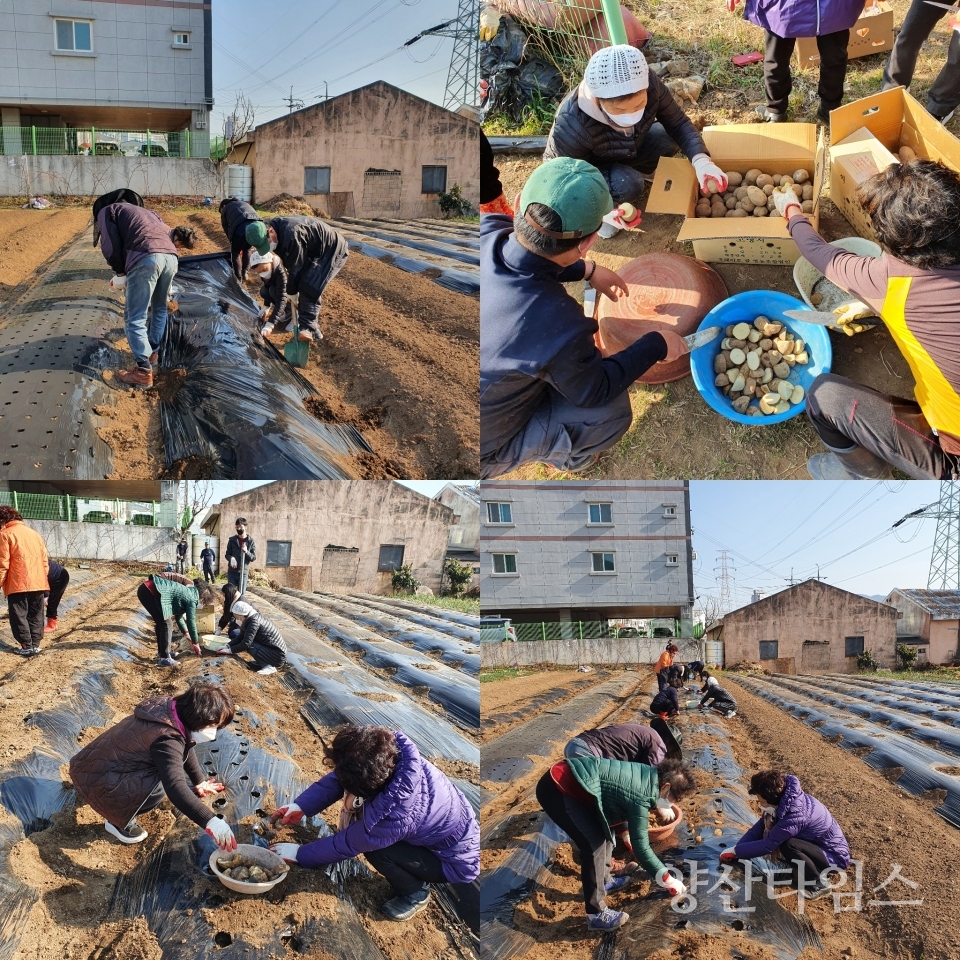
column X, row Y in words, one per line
column 489, row 23
column 847, row 313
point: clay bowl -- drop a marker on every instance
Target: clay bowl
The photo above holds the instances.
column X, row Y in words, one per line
column 664, row 831
column 667, row 292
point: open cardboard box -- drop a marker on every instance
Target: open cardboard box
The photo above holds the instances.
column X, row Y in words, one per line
column 870, row 34
column 866, row 136
column 772, row 148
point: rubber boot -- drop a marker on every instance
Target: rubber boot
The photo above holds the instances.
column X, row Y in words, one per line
column 854, row 463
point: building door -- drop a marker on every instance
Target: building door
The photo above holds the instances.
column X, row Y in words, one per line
column 381, row 193
column 340, row 565
column 815, row 657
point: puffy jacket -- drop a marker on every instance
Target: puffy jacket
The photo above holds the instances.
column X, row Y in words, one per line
column 666, row 660
column 418, row 805
column 623, row 792
column 130, row 233
column 803, row 18
column 719, row 698
column 258, row 629
column 309, row 249
column 802, row 816
column 178, row 600
column 574, row 134
column 118, row 771
column 23, row 559
column 666, row 701
column 236, row 213
column 632, row 742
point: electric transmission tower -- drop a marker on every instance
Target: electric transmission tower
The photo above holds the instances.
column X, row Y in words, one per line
column 463, row 77
column 726, row 578
column 945, row 559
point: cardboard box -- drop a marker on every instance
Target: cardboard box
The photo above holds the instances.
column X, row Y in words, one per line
column 770, row 147
column 872, row 33
column 866, row 135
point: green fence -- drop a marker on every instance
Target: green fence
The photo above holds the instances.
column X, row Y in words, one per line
column 594, row 630
column 93, row 142
column 41, row 506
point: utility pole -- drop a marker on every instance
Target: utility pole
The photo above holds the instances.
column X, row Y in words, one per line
column 326, row 92
column 945, row 559
column 726, row 574
column 292, row 103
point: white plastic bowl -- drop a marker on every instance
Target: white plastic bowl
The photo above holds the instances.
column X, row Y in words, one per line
column 806, row 275
column 259, row 855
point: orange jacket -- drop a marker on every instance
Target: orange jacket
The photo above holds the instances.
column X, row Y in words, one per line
column 666, row 660
column 23, row 559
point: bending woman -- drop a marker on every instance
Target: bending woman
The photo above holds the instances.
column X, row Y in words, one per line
column 174, row 597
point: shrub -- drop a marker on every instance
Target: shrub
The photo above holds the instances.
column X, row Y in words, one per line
column 865, row 661
column 906, row 656
column 403, row 580
column 453, row 203
column 458, row 574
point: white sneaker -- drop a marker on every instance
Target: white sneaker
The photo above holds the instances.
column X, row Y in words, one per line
column 731, row 713
column 266, row 671
column 131, row 833
column 266, row 330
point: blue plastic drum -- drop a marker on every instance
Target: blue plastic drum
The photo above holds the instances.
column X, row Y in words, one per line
column 747, row 307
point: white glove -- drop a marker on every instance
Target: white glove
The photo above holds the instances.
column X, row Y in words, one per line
column 670, row 883
column 489, row 23
column 219, row 829
column 286, row 850
column 665, row 811
column 118, row 282
column 218, row 631
column 291, row 813
column 233, row 563
column 786, row 200
column 623, row 217
column 706, row 170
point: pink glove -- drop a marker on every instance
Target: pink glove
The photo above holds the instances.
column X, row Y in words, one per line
column 671, row 884
column 291, row 813
column 286, row 850
column 208, row 788
column 728, row 856
column 219, row 829
column 196, row 649
column 707, row 170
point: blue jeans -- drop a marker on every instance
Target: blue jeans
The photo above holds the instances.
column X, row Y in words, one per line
column 148, row 285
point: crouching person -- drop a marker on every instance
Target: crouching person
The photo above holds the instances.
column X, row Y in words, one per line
column 412, row 824
column 584, row 795
column 715, row 697
column 259, row 637
column 796, row 828
column 148, row 757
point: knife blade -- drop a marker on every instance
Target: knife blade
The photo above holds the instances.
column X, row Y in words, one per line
column 812, row 316
column 702, row 337
column 943, row 6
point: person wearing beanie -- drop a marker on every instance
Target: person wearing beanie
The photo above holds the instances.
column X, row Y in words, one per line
column 622, row 119
column 783, row 22
column 277, row 313
column 547, row 394
column 235, row 216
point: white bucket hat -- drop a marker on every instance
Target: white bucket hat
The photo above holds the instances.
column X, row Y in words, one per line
column 257, row 258
column 241, row 609
column 616, row 72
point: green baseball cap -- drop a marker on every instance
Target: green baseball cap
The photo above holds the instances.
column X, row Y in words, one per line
column 573, row 189
column 256, row 234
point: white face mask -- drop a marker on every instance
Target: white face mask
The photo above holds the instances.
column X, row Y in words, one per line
column 769, row 810
column 626, row 119
column 273, row 246
column 206, row 735
column 266, row 275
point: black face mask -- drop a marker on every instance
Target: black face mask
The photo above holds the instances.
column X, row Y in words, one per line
column 241, row 531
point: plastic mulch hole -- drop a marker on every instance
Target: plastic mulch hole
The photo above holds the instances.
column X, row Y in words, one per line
column 223, row 939
column 738, row 925
column 681, row 924
column 220, row 802
column 255, row 793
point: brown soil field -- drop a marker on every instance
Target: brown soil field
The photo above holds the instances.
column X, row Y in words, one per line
column 74, row 864
column 500, row 694
column 883, row 825
column 31, row 237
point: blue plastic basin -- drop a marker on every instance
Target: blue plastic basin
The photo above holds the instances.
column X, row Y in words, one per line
column 747, row 307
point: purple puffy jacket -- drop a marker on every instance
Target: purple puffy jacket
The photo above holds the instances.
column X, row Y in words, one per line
column 803, row 18
column 418, row 805
column 802, row 816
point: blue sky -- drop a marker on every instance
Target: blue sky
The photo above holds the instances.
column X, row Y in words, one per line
column 347, row 43
column 776, row 530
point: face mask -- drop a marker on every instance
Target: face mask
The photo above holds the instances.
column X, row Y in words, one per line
column 769, row 810
column 241, row 531
column 626, row 119
column 273, row 246
column 266, row 275
column 206, row 735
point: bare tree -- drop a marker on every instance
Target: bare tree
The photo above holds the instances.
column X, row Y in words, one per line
column 195, row 496
column 709, row 608
column 239, row 123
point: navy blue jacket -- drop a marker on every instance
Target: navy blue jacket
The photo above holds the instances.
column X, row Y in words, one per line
column 534, row 339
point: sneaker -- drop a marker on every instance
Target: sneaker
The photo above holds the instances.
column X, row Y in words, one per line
column 769, row 116
column 817, row 892
column 607, row 920
column 24, row 651
column 731, row 714
column 131, row 833
column 266, row 671
column 35, row 651
column 168, row 662
column 267, row 329
column 136, row 377
column 617, row 883
column 403, row 908
column 306, row 336
column 944, row 120
column 50, row 625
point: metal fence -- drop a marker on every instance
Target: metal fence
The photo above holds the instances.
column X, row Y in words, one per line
column 93, row 142
column 41, row 506
column 590, row 630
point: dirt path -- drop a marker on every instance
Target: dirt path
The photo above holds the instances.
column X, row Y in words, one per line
column 500, row 694
column 74, row 865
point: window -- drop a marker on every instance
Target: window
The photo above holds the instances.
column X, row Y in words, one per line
column 854, row 646
column 669, row 510
column 504, row 563
column 600, row 513
column 278, row 553
column 769, row 649
column 434, row 180
column 74, row 35
column 602, row 563
column 673, row 560
column 499, row 513
column 391, row 557
column 316, row 180
column 181, row 39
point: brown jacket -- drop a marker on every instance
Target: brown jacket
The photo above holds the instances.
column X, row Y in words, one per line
column 118, row 771
column 23, row 559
